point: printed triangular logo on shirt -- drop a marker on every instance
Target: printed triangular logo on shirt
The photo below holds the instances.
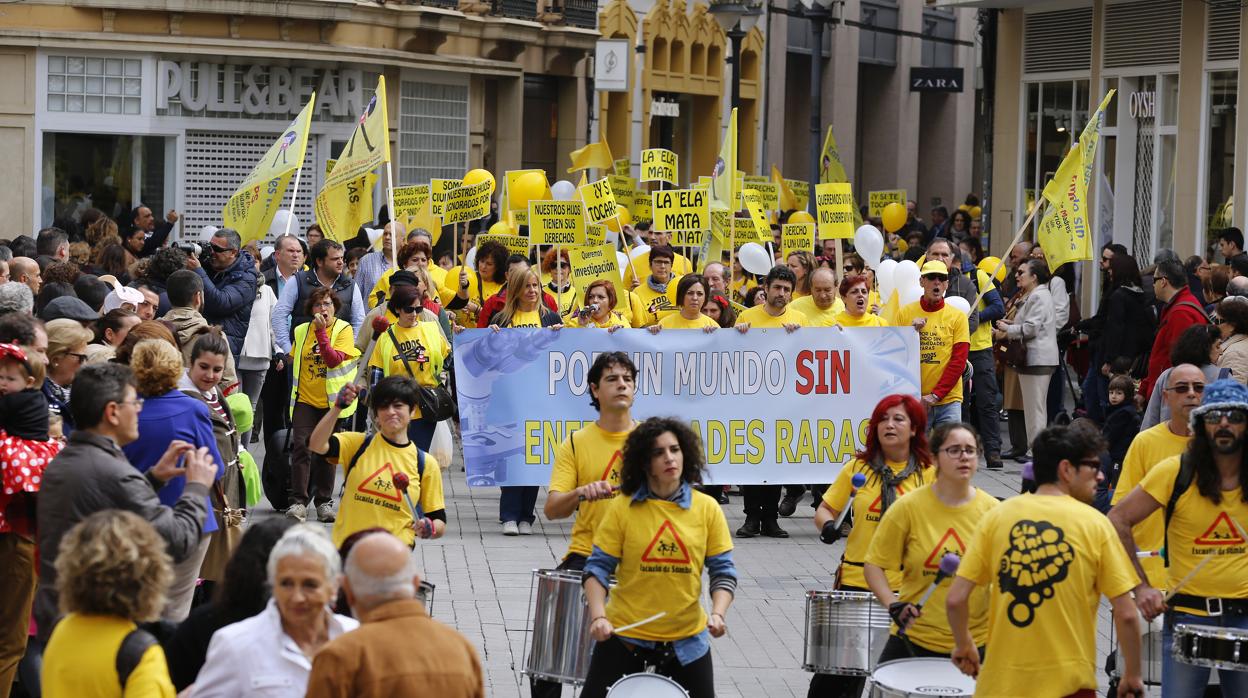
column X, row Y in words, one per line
column 666, row 548
column 875, row 506
column 381, row 484
column 1221, row 532
column 610, row 474
column 958, row 548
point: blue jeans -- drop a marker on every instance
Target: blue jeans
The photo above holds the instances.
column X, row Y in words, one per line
column 939, row 414
column 517, row 503
column 1183, row 680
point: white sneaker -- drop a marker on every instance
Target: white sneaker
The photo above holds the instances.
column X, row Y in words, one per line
column 325, row 512
column 510, row 528
column 298, row 512
column 526, row 528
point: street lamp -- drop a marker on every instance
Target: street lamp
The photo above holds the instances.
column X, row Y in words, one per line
column 737, row 17
column 818, row 12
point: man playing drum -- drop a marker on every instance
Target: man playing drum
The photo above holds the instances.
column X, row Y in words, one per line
column 587, row 465
column 1202, row 497
column 1049, row 557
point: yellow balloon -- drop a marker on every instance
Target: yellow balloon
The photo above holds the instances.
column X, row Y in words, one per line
column 965, row 207
column 976, row 212
column 988, row 264
column 894, row 217
column 477, row 176
column 500, row 228
column 801, row 217
column 528, row 186
column 625, row 216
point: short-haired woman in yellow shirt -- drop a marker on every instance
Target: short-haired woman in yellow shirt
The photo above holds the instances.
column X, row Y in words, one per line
column 855, row 290
column 691, row 293
column 657, row 537
column 599, row 308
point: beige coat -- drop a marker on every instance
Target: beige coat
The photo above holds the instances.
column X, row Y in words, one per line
column 187, row 325
column 1235, row 356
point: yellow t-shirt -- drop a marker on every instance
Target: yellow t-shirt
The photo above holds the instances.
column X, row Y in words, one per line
column 567, row 300
column 426, row 349
column 662, row 549
column 814, row 316
column 476, row 293
column 865, row 320
column 1198, row 528
column 312, row 368
column 370, row 499
column 867, row 514
column 758, row 317
column 680, row 266
column 590, row 454
column 650, row 306
column 437, row 276
column 614, row 319
column 915, row 533
column 1150, row 447
column 1049, row 560
column 521, row 318
column 676, row 321
column 81, row 661
column 945, row 328
column 982, row 337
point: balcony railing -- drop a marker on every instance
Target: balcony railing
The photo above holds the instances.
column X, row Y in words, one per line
column 519, row 9
column 577, row 13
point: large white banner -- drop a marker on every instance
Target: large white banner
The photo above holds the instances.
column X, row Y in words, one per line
column 771, row 407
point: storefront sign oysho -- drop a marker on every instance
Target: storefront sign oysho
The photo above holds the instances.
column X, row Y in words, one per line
column 1143, row 105
column 215, row 87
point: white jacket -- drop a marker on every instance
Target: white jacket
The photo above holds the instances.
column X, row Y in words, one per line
column 258, row 346
column 255, row 657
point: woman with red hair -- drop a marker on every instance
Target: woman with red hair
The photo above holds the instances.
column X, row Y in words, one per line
column 557, row 268
column 895, row 460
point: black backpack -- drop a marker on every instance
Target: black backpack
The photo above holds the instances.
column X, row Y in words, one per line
column 1182, row 481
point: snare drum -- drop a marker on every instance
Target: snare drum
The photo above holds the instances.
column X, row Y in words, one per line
column 905, row 678
column 1150, row 654
column 646, row 685
column 845, row 632
column 560, row 647
column 1211, row 646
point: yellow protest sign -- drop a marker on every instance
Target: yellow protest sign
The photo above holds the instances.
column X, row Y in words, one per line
column 686, row 238
column 515, row 244
column 438, row 189
column 703, row 182
column 468, row 203
column 754, row 204
column 641, row 207
column 590, row 263
column 834, row 209
column 801, row 192
column 409, row 201
column 728, row 228
column 769, row 193
column 595, row 235
column 329, row 166
column 680, row 210
column 622, row 188
column 622, row 167
column 751, row 180
column 599, row 201
column 877, row 200
column 796, row 237
column 659, row 165
column 556, row 222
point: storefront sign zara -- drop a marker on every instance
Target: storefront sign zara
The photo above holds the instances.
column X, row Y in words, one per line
column 273, row 90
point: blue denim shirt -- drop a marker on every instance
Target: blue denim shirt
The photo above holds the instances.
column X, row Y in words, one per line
column 602, row 566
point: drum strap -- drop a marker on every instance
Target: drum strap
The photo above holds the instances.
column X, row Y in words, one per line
column 1237, row 607
column 1182, row 481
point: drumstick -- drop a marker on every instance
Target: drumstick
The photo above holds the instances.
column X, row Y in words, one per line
column 630, row 626
column 948, row 567
column 614, row 489
column 1203, row 561
column 858, row 481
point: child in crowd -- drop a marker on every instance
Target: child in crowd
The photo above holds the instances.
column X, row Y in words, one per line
column 25, row 449
column 1122, row 423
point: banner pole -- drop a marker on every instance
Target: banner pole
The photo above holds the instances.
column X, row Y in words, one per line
column 732, row 254
column 838, row 265
column 1017, row 238
column 294, row 192
column 394, row 231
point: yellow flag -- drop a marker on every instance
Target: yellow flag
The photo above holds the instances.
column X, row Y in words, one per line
column 830, row 167
column 1065, row 232
column 723, row 187
column 593, row 155
column 788, row 200
column 251, row 209
column 340, row 208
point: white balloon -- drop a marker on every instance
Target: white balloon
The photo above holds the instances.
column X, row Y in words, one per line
column 910, row 294
column 869, row 244
column 906, row 275
column 374, row 235
column 563, row 190
column 621, row 261
column 470, row 259
column 266, row 251
column 612, row 237
column 754, row 258
column 959, row 302
column 208, row 232
column 638, row 251
column 884, row 275
column 278, row 226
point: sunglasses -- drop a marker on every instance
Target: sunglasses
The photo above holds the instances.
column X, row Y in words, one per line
column 1185, row 388
column 562, row 265
column 936, row 277
column 411, row 309
column 1231, row 415
column 219, row 250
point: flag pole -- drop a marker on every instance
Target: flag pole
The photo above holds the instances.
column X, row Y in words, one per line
column 294, row 193
column 1017, row 238
column 394, row 231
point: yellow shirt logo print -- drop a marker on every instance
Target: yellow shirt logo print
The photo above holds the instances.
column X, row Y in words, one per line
column 1221, row 532
column 951, row 542
column 381, row 484
column 666, row 547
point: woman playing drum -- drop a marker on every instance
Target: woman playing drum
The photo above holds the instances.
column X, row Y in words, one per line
column 657, row 537
column 895, row 461
column 913, row 537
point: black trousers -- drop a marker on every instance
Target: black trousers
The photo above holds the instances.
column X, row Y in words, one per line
column 614, row 659
column 761, row 501
column 541, row 688
column 275, row 402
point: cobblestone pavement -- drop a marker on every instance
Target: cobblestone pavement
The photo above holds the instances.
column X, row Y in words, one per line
column 483, row 590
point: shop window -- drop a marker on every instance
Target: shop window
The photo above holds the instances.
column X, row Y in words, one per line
column 1220, row 152
column 1056, row 111
column 88, row 85
column 875, row 47
column 433, row 131
column 940, row 25
column 111, row 173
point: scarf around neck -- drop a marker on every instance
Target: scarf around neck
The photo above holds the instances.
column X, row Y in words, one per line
column 889, row 481
column 655, row 286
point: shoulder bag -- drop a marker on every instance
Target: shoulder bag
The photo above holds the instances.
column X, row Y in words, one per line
column 435, row 403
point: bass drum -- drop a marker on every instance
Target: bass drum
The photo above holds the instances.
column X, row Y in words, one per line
column 646, row 685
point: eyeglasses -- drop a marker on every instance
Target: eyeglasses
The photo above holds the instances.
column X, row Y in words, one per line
column 959, row 451
column 562, row 265
column 219, row 250
column 1089, row 463
column 1185, row 388
column 137, row 402
column 81, row 357
column 1230, row 415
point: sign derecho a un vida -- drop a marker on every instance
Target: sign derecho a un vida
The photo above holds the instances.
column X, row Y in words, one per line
column 264, row 89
